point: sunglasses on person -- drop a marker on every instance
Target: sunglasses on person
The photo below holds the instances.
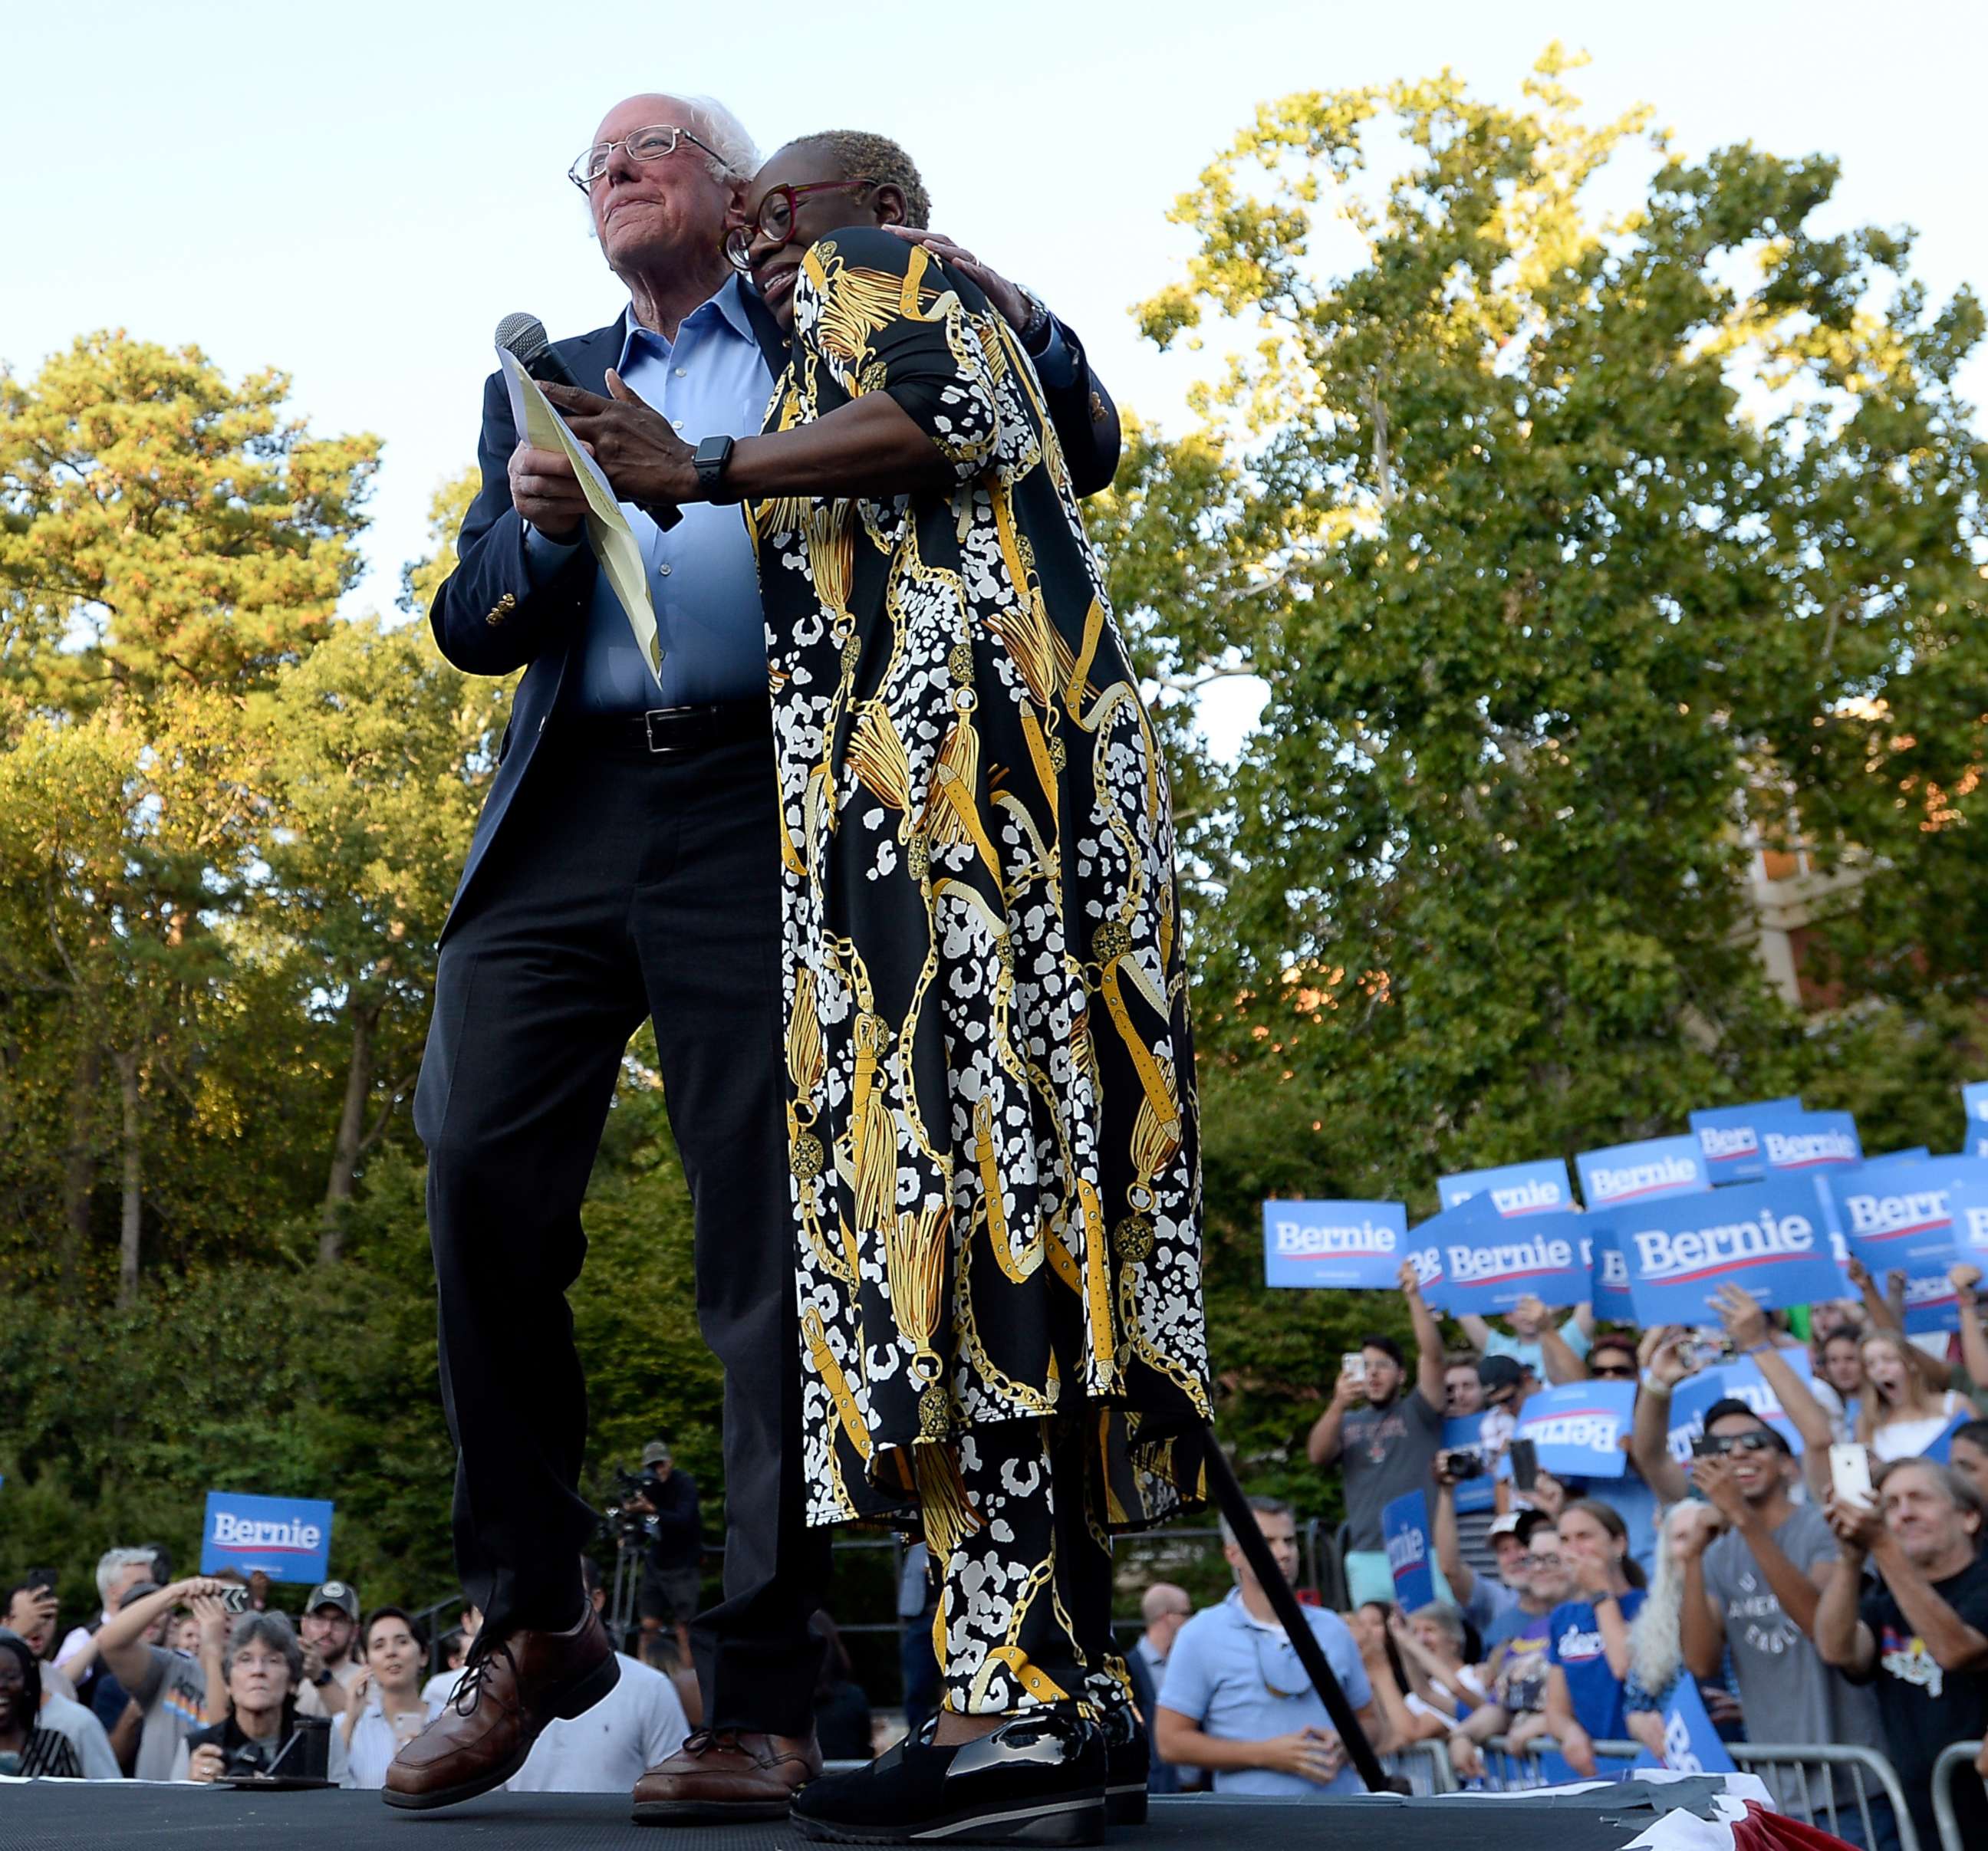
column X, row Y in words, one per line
column 1717, row 1446
column 775, row 219
column 1614, row 1371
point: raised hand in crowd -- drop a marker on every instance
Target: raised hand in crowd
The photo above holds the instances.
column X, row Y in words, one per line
column 1752, row 1335
column 32, row 1612
column 1965, row 1280
column 1664, row 1356
column 1858, row 1527
column 1548, row 1494
column 1712, row 1473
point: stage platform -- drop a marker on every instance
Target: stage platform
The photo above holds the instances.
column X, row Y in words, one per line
column 45, row 1815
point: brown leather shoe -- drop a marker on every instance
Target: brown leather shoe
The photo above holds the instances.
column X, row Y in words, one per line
column 722, row 1774
column 509, row 1689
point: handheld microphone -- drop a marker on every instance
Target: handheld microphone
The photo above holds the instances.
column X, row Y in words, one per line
column 523, row 336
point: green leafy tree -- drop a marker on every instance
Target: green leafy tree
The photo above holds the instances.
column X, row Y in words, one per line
column 1561, row 542
column 161, row 527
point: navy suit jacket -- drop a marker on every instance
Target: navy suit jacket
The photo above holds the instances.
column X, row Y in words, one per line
column 489, row 618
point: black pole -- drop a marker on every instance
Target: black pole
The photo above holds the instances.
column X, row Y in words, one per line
column 1284, row 1604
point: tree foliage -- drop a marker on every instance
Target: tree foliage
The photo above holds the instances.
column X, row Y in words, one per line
column 1581, row 556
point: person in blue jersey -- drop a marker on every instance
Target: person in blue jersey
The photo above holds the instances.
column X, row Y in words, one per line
column 1587, row 1638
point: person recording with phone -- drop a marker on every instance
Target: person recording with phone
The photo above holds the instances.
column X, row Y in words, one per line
column 1755, row 1566
column 175, row 1696
column 1917, row 1635
column 1384, row 1440
column 385, row 1707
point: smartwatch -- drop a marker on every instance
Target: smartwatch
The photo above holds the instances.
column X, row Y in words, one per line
column 321, row 1680
column 709, row 459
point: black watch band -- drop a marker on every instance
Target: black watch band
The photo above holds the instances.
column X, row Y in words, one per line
column 709, row 459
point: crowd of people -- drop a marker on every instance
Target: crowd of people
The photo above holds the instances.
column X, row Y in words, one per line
column 1802, row 1611
column 1568, row 1613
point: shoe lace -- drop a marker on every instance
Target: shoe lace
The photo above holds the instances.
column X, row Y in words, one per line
column 701, row 1741
column 468, row 1690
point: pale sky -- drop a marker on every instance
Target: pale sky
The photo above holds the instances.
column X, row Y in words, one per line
column 357, row 195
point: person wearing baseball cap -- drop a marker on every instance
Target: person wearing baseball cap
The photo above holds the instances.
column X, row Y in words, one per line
column 329, row 1629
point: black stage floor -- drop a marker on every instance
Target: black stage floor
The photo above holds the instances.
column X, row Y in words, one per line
column 46, row 1816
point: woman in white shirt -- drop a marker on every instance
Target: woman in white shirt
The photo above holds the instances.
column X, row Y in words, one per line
column 385, row 1706
column 1901, row 1415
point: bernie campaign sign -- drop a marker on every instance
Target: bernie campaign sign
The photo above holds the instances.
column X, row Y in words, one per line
column 1640, row 1173
column 1974, row 1097
column 1770, row 1237
column 1579, row 1428
column 288, row 1538
column 1899, row 1215
column 1404, row 1528
column 1967, row 1201
column 1472, row 1259
column 1533, row 1188
column 1730, row 1144
column 1739, row 1380
column 1692, row 1745
column 1794, row 1139
column 1609, row 1280
column 1355, row 1245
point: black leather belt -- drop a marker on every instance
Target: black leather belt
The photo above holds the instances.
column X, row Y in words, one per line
column 673, row 732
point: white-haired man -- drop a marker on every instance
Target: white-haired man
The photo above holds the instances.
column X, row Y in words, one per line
column 627, row 865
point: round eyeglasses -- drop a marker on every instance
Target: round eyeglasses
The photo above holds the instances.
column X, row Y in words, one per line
column 775, row 219
column 651, row 143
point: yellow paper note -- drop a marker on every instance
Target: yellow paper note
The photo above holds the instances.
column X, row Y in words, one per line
column 607, row 530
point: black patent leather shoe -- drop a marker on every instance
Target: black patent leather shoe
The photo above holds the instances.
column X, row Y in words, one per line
column 1038, row 1779
column 1128, row 1760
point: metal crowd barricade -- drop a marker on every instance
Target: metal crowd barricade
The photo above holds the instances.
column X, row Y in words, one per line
column 1510, row 1770
column 1868, row 1770
column 1424, row 1766
column 1956, row 1764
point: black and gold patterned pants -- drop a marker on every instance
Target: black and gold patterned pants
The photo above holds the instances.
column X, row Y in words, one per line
column 1013, row 1517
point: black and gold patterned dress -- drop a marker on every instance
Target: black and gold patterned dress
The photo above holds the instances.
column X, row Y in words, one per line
column 992, row 1121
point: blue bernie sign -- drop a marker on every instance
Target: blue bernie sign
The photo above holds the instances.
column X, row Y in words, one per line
column 1404, row 1529
column 1579, row 1428
column 1472, row 1259
column 1608, row 1281
column 1899, row 1215
column 1771, row 1237
column 1974, row 1099
column 1642, row 1172
column 1731, row 1145
column 1532, row 1188
column 1354, row 1245
column 1739, row 1380
column 288, row 1538
column 1792, row 1139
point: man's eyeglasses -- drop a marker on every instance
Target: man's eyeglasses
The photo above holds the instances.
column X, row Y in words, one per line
column 1614, row 1372
column 775, row 219
column 1287, row 1652
column 1536, row 1559
column 1717, row 1445
column 651, row 143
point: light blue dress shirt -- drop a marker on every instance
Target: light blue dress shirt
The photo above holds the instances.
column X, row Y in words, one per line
column 712, row 380
column 1225, row 1672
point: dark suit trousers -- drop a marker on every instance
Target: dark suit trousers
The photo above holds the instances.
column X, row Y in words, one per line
column 620, row 886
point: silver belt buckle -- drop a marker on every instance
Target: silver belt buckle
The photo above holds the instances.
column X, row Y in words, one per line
column 649, row 720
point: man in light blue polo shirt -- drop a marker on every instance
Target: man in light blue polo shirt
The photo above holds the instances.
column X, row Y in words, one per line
column 1236, row 1699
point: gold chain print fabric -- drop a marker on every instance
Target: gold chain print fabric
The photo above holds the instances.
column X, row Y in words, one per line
column 992, row 1117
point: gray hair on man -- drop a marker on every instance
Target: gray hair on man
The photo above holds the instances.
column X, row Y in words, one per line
column 733, row 153
column 735, row 157
column 273, row 1629
column 114, row 1562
